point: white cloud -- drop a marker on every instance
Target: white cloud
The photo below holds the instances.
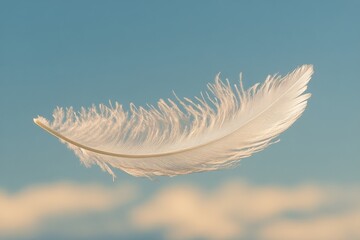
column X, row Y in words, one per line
column 28, row 210
column 236, row 210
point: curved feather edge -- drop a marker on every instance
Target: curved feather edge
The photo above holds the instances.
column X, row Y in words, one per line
column 216, row 130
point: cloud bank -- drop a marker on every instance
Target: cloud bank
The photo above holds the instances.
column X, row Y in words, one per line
column 233, row 210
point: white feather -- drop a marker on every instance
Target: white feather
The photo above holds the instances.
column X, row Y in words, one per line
column 215, row 131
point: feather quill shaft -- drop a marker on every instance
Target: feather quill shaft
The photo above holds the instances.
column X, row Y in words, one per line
column 215, row 131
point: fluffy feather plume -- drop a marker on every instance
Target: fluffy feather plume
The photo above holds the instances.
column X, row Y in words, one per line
column 214, row 131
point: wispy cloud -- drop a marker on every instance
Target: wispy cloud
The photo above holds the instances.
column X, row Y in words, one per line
column 341, row 224
column 233, row 210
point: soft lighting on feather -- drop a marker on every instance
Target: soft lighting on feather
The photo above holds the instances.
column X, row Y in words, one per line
column 214, row 131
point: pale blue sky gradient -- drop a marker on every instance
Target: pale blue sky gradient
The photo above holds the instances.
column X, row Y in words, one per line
column 79, row 53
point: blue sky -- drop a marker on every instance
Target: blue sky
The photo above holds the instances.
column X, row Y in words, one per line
column 79, row 53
